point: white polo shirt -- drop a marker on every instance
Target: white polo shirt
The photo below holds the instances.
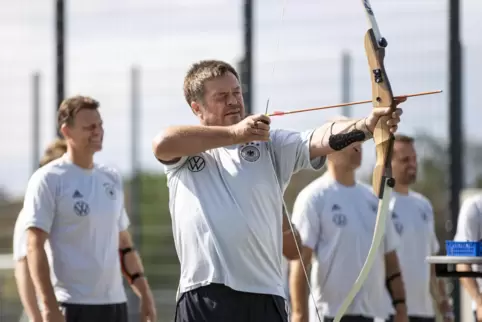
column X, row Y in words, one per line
column 337, row 222
column 413, row 218
column 83, row 212
column 226, row 209
column 469, row 228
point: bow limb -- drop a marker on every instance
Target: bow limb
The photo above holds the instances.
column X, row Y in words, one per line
column 383, row 183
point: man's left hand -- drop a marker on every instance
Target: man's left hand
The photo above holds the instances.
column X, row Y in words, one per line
column 446, row 310
column 392, row 120
column 148, row 308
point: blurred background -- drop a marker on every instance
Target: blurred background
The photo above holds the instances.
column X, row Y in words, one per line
column 132, row 55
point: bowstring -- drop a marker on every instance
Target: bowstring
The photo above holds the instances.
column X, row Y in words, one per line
column 286, row 211
column 278, row 41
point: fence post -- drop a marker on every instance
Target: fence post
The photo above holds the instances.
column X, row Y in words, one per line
column 246, row 65
column 456, row 145
column 135, row 185
column 60, row 18
column 346, row 82
column 35, row 121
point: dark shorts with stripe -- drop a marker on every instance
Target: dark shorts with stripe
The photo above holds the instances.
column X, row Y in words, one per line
column 219, row 303
column 94, row 313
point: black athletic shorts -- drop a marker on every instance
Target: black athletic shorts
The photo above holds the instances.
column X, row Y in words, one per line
column 94, row 313
column 351, row 318
column 412, row 318
column 219, row 303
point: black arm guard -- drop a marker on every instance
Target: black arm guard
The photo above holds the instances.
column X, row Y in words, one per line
column 131, row 277
column 340, row 141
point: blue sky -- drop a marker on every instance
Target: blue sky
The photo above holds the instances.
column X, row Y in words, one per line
column 107, row 37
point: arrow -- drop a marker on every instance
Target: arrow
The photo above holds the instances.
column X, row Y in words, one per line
column 280, row 113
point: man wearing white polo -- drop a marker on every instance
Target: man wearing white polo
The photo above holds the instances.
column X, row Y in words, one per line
column 78, row 206
column 335, row 216
column 414, row 221
column 226, row 179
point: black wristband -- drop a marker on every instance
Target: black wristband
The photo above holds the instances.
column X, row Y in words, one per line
column 131, row 277
column 392, row 277
column 126, row 250
column 135, row 276
column 396, row 302
column 389, row 280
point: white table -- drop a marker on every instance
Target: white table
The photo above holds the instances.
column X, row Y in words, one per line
column 445, row 265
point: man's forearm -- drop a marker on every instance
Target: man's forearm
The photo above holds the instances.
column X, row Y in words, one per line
column 398, row 293
column 178, row 141
column 323, row 143
column 40, row 273
column 133, row 265
column 437, row 286
column 470, row 284
column 26, row 291
column 290, row 240
column 395, row 285
column 298, row 291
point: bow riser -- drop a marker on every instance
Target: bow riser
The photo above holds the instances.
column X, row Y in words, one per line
column 383, row 183
column 382, row 97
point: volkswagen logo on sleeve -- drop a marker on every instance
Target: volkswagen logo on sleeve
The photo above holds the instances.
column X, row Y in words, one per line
column 81, row 208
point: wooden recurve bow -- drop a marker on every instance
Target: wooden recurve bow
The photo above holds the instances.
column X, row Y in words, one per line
column 383, row 183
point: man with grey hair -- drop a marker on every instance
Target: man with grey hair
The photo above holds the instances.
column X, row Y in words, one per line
column 226, row 179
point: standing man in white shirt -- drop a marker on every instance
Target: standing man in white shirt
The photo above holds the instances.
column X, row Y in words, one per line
column 335, row 216
column 413, row 217
column 469, row 228
column 78, row 206
column 25, row 287
column 226, row 179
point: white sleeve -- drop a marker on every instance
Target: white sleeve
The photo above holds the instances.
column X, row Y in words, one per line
column 19, row 239
column 39, row 204
column 171, row 167
column 124, row 221
column 468, row 226
column 392, row 239
column 306, row 217
column 292, row 151
column 435, row 246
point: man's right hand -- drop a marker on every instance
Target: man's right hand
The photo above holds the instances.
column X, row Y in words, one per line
column 252, row 128
column 52, row 315
column 478, row 313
